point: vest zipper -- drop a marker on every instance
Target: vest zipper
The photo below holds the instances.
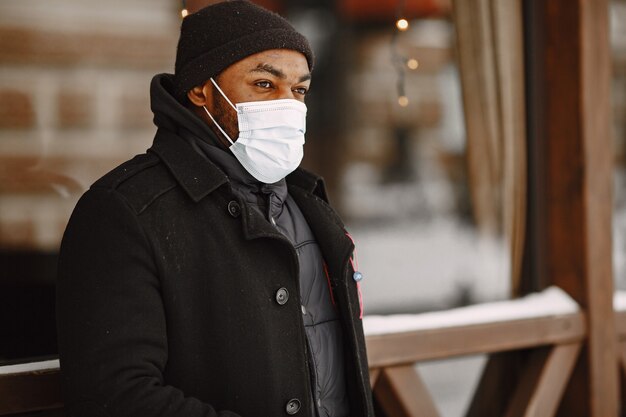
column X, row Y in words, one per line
column 313, row 374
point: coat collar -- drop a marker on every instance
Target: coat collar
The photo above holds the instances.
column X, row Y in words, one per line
column 200, row 177
column 197, row 176
column 309, row 182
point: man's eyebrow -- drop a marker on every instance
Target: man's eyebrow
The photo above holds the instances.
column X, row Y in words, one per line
column 277, row 73
column 270, row 69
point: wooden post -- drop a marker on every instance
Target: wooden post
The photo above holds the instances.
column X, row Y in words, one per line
column 571, row 186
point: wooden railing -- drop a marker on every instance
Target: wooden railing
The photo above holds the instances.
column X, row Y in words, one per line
column 553, row 336
column 31, row 387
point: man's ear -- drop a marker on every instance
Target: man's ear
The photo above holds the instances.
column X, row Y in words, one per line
column 199, row 95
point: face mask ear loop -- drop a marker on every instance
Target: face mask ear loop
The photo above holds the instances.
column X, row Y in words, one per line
column 218, row 126
column 223, row 95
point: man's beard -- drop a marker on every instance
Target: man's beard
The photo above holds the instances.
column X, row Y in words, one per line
column 226, row 117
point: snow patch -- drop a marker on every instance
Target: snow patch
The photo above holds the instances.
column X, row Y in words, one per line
column 21, row 368
column 552, row 301
column 619, row 301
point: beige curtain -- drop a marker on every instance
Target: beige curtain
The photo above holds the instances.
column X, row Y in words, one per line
column 490, row 50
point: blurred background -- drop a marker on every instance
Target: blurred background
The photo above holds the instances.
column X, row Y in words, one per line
column 416, row 121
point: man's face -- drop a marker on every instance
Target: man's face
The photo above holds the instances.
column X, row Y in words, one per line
column 268, row 75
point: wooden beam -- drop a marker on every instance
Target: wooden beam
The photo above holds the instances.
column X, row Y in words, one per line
column 621, row 357
column 543, row 382
column 497, row 384
column 401, row 393
column 33, row 391
column 569, row 118
column 491, row 61
column 479, row 78
column 410, row 347
column 598, row 145
column 374, row 374
column 620, row 325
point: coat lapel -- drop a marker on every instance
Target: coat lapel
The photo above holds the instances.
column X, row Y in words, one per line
column 255, row 226
column 328, row 229
column 200, row 177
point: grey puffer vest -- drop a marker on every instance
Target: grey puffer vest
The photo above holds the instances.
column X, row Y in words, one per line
column 320, row 317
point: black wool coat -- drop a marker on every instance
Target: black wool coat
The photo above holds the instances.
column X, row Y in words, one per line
column 171, row 296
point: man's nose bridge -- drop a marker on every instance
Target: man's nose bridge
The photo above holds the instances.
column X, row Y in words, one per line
column 285, row 91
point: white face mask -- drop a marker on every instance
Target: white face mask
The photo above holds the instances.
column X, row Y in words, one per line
column 271, row 136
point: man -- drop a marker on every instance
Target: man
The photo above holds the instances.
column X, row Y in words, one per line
column 195, row 279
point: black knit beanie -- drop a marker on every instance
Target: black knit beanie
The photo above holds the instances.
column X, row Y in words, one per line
column 219, row 35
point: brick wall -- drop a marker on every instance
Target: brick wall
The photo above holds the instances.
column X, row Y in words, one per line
column 74, row 102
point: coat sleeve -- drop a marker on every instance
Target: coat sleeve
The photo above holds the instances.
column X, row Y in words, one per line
column 111, row 320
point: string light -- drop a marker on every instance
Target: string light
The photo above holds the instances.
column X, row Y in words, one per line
column 402, row 24
column 398, row 61
column 184, row 12
column 412, row 63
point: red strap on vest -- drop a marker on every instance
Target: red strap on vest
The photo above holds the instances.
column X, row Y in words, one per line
column 330, row 288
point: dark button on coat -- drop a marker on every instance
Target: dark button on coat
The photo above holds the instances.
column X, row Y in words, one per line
column 234, row 209
column 282, row 296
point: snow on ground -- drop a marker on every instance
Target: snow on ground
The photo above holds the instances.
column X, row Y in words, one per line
column 412, row 267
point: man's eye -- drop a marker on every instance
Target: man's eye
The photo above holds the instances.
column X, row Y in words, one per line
column 264, row 84
column 301, row 90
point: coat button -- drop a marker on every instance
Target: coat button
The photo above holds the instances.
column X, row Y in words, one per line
column 234, row 209
column 293, row 406
column 282, row 295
